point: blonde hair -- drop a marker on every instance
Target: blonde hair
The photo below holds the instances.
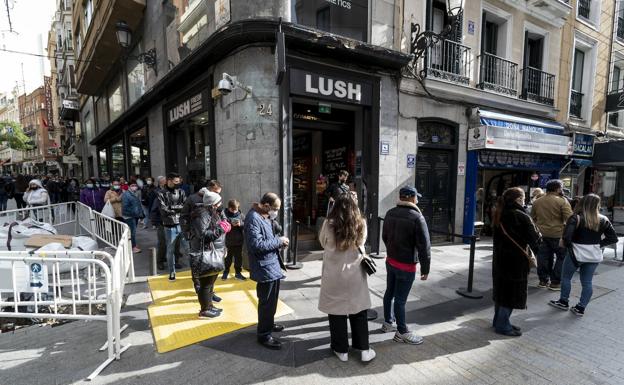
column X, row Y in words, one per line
column 589, row 208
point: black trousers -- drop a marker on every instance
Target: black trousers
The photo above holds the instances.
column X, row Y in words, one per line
column 204, row 287
column 236, row 253
column 161, row 252
column 340, row 335
column 268, row 294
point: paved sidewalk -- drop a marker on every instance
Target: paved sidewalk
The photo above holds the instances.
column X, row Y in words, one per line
column 460, row 346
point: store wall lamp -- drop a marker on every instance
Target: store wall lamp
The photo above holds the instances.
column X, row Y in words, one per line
column 124, row 39
column 421, row 40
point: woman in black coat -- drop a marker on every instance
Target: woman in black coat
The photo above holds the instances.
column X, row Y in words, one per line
column 207, row 233
column 510, row 266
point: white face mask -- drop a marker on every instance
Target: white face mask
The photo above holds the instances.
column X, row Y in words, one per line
column 273, row 214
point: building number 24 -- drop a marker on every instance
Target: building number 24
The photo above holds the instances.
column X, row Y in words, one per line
column 265, row 109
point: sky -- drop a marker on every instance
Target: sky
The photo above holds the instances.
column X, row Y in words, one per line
column 31, row 21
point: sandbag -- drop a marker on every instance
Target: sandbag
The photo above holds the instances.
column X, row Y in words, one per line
column 84, row 244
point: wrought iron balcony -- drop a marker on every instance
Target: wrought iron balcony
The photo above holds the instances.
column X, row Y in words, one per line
column 620, row 27
column 584, row 7
column 498, row 74
column 538, row 86
column 576, row 104
column 448, row 60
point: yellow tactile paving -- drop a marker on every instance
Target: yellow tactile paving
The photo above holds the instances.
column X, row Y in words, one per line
column 173, row 314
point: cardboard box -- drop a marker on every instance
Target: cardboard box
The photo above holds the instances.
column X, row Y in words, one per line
column 43, row 239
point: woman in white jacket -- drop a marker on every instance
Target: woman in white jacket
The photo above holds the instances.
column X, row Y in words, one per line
column 36, row 195
column 344, row 287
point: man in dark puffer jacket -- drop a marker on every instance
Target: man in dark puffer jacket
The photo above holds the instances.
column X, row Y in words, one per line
column 406, row 237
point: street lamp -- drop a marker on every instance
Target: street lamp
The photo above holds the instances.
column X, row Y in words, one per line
column 124, row 39
column 421, row 40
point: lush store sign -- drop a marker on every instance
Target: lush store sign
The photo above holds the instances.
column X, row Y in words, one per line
column 331, row 87
column 187, row 107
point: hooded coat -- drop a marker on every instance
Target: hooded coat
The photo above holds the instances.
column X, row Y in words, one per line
column 510, row 265
column 37, row 197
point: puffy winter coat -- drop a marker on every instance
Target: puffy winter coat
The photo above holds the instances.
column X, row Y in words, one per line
column 510, row 265
column 37, row 197
column 235, row 237
column 205, row 230
column 92, row 197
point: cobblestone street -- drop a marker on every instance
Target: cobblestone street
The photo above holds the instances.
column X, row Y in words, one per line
column 460, row 346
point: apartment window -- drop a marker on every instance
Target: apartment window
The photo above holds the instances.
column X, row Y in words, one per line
column 576, row 94
column 345, row 17
column 118, row 162
column 115, row 100
column 88, row 126
column 101, row 110
column 103, row 161
column 87, row 7
column 620, row 21
column 136, row 77
column 588, row 10
column 78, row 43
column 496, row 72
column 617, row 84
column 68, row 33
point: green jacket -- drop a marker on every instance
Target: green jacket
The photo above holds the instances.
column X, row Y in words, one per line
column 550, row 213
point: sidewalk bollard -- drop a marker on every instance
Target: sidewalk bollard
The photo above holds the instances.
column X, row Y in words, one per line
column 294, row 265
column 154, row 263
column 468, row 292
column 377, row 253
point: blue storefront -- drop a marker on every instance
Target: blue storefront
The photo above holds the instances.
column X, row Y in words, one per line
column 509, row 151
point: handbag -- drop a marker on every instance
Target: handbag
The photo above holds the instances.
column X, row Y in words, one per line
column 108, row 210
column 528, row 252
column 367, row 263
column 206, row 262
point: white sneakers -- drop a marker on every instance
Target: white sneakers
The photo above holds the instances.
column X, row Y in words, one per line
column 408, row 338
column 367, row 355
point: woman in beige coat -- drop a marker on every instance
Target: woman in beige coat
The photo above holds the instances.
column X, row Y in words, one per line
column 344, row 288
column 114, row 197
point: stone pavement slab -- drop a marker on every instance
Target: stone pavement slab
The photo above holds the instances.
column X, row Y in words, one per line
column 460, row 346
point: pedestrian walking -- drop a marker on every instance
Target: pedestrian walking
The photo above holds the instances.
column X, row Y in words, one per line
column 170, row 201
column 586, row 233
column 406, row 237
column 92, row 196
column 21, row 185
column 514, row 231
column 550, row 214
column 114, row 197
column 234, row 240
column 208, row 232
column 132, row 211
column 344, row 285
column 147, row 197
column 337, row 188
column 263, row 250
column 161, row 245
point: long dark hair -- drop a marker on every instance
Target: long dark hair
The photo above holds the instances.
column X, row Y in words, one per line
column 348, row 223
column 509, row 197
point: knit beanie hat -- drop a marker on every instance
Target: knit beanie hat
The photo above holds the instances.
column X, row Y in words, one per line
column 212, row 198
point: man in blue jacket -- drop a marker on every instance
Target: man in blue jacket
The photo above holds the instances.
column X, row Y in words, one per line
column 263, row 249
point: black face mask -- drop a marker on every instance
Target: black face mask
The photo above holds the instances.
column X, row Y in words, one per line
column 177, row 185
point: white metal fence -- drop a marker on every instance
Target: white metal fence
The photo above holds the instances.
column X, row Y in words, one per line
column 72, row 284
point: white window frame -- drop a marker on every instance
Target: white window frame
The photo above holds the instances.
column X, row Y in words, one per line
column 618, row 11
column 589, row 47
column 594, row 14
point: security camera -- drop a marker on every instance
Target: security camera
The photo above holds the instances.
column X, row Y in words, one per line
column 225, row 85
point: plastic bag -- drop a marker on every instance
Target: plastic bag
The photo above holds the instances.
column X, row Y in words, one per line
column 108, row 210
column 84, row 244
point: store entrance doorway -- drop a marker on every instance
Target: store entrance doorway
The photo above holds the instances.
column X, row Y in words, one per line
column 323, row 144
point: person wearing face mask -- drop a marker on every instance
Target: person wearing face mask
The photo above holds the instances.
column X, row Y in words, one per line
column 92, row 196
column 36, row 195
column 132, row 211
column 147, row 198
column 114, row 197
column 337, row 189
column 208, row 233
column 263, row 249
column 161, row 250
column 123, row 184
column 171, row 200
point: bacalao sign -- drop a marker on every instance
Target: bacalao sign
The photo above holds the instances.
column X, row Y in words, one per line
column 329, row 86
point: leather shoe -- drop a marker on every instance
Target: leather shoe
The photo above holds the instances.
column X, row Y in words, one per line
column 511, row 333
column 278, row 328
column 216, row 298
column 271, row 343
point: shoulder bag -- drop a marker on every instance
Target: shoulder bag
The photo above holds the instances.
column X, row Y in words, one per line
column 368, row 264
column 527, row 252
column 207, row 262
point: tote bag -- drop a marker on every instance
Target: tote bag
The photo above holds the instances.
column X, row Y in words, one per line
column 207, row 262
column 108, row 210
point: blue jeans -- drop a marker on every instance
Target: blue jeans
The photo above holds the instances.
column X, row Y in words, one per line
column 549, row 269
column 586, row 272
column 131, row 222
column 171, row 234
column 3, row 202
column 501, row 319
column 399, row 284
column 147, row 214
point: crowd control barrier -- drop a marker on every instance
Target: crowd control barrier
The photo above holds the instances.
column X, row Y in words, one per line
column 72, row 280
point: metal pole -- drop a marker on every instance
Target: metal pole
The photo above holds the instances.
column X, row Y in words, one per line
column 295, row 265
column 378, row 243
column 468, row 292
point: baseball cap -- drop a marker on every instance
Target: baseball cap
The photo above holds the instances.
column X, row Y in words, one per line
column 408, row 191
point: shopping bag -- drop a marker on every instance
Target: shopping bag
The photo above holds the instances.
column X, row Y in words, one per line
column 108, row 210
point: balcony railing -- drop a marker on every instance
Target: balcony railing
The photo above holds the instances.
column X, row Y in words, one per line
column 620, row 27
column 584, row 7
column 498, row 75
column 538, row 86
column 450, row 61
column 576, row 104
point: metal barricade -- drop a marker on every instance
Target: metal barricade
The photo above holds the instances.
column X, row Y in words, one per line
column 57, row 214
column 32, row 285
column 115, row 234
